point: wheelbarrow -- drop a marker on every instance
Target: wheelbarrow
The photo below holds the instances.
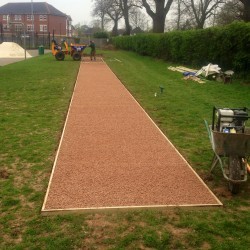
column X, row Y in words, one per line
column 230, row 140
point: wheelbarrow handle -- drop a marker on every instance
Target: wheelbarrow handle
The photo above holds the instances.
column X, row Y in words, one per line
column 208, row 129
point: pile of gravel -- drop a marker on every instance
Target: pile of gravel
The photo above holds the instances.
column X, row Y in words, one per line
column 12, row 50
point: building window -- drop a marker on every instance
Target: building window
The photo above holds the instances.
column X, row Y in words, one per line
column 43, row 28
column 30, row 27
column 43, row 17
column 5, row 27
column 18, row 27
column 5, row 17
column 18, row 18
column 30, row 17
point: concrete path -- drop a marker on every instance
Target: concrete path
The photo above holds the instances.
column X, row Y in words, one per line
column 112, row 155
column 9, row 60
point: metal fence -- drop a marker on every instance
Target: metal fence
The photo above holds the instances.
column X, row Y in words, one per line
column 28, row 40
column 33, row 40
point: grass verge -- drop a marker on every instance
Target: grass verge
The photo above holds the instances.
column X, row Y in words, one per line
column 34, row 96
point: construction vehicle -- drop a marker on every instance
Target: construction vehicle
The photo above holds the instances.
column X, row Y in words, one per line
column 60, row 50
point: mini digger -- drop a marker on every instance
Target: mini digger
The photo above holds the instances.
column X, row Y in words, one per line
column 60, row 50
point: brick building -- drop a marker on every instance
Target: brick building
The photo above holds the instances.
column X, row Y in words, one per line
column 35, row 19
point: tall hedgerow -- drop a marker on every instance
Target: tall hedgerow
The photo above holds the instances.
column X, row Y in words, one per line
column 227, row 46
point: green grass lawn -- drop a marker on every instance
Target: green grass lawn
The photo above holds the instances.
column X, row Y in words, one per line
column 34, row 96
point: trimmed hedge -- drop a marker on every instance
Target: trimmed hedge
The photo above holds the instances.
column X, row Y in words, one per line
column 227, row 46
column 101, row 35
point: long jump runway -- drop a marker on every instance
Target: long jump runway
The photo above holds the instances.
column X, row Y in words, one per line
column 112, row 155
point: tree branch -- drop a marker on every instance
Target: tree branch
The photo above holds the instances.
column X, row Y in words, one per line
column 168, row 5
column 148, row 9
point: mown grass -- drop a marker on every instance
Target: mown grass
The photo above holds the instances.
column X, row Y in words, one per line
column 34, row 96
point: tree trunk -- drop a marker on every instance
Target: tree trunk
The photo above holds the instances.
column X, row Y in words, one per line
column 127, row 27
column 158, row 24
column 159, row 18
column 201, row 22
column 115, row 28
column 179, row 15
column 247, row 11
column 160, row 13
column 126, row 17
column 102, row 22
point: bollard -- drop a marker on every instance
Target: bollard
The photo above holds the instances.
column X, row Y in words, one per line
column 161, row 89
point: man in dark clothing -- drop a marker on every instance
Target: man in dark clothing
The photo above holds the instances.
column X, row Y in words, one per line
column 92, row 52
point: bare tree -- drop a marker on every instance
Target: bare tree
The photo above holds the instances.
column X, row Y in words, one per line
column 100, row 11
column 229, row 12
column 113, row 10
column 138, row 19
column 246, row 14
column 115, row 14
column 161, row 8
column 202, row 10
column 181, row 19
column 125, row 6
column 179, row 13
column 125, row 9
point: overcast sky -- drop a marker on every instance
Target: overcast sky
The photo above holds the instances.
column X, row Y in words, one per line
column 79, row 10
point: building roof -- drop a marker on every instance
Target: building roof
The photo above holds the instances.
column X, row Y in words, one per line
column 25, row 8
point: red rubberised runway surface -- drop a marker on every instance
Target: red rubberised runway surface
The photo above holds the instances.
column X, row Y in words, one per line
column 112, row 155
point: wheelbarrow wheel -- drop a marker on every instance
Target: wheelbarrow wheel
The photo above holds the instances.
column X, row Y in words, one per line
column 234, row 169
column 60, row 56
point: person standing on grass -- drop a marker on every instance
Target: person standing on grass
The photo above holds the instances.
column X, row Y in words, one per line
column 92, row 52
